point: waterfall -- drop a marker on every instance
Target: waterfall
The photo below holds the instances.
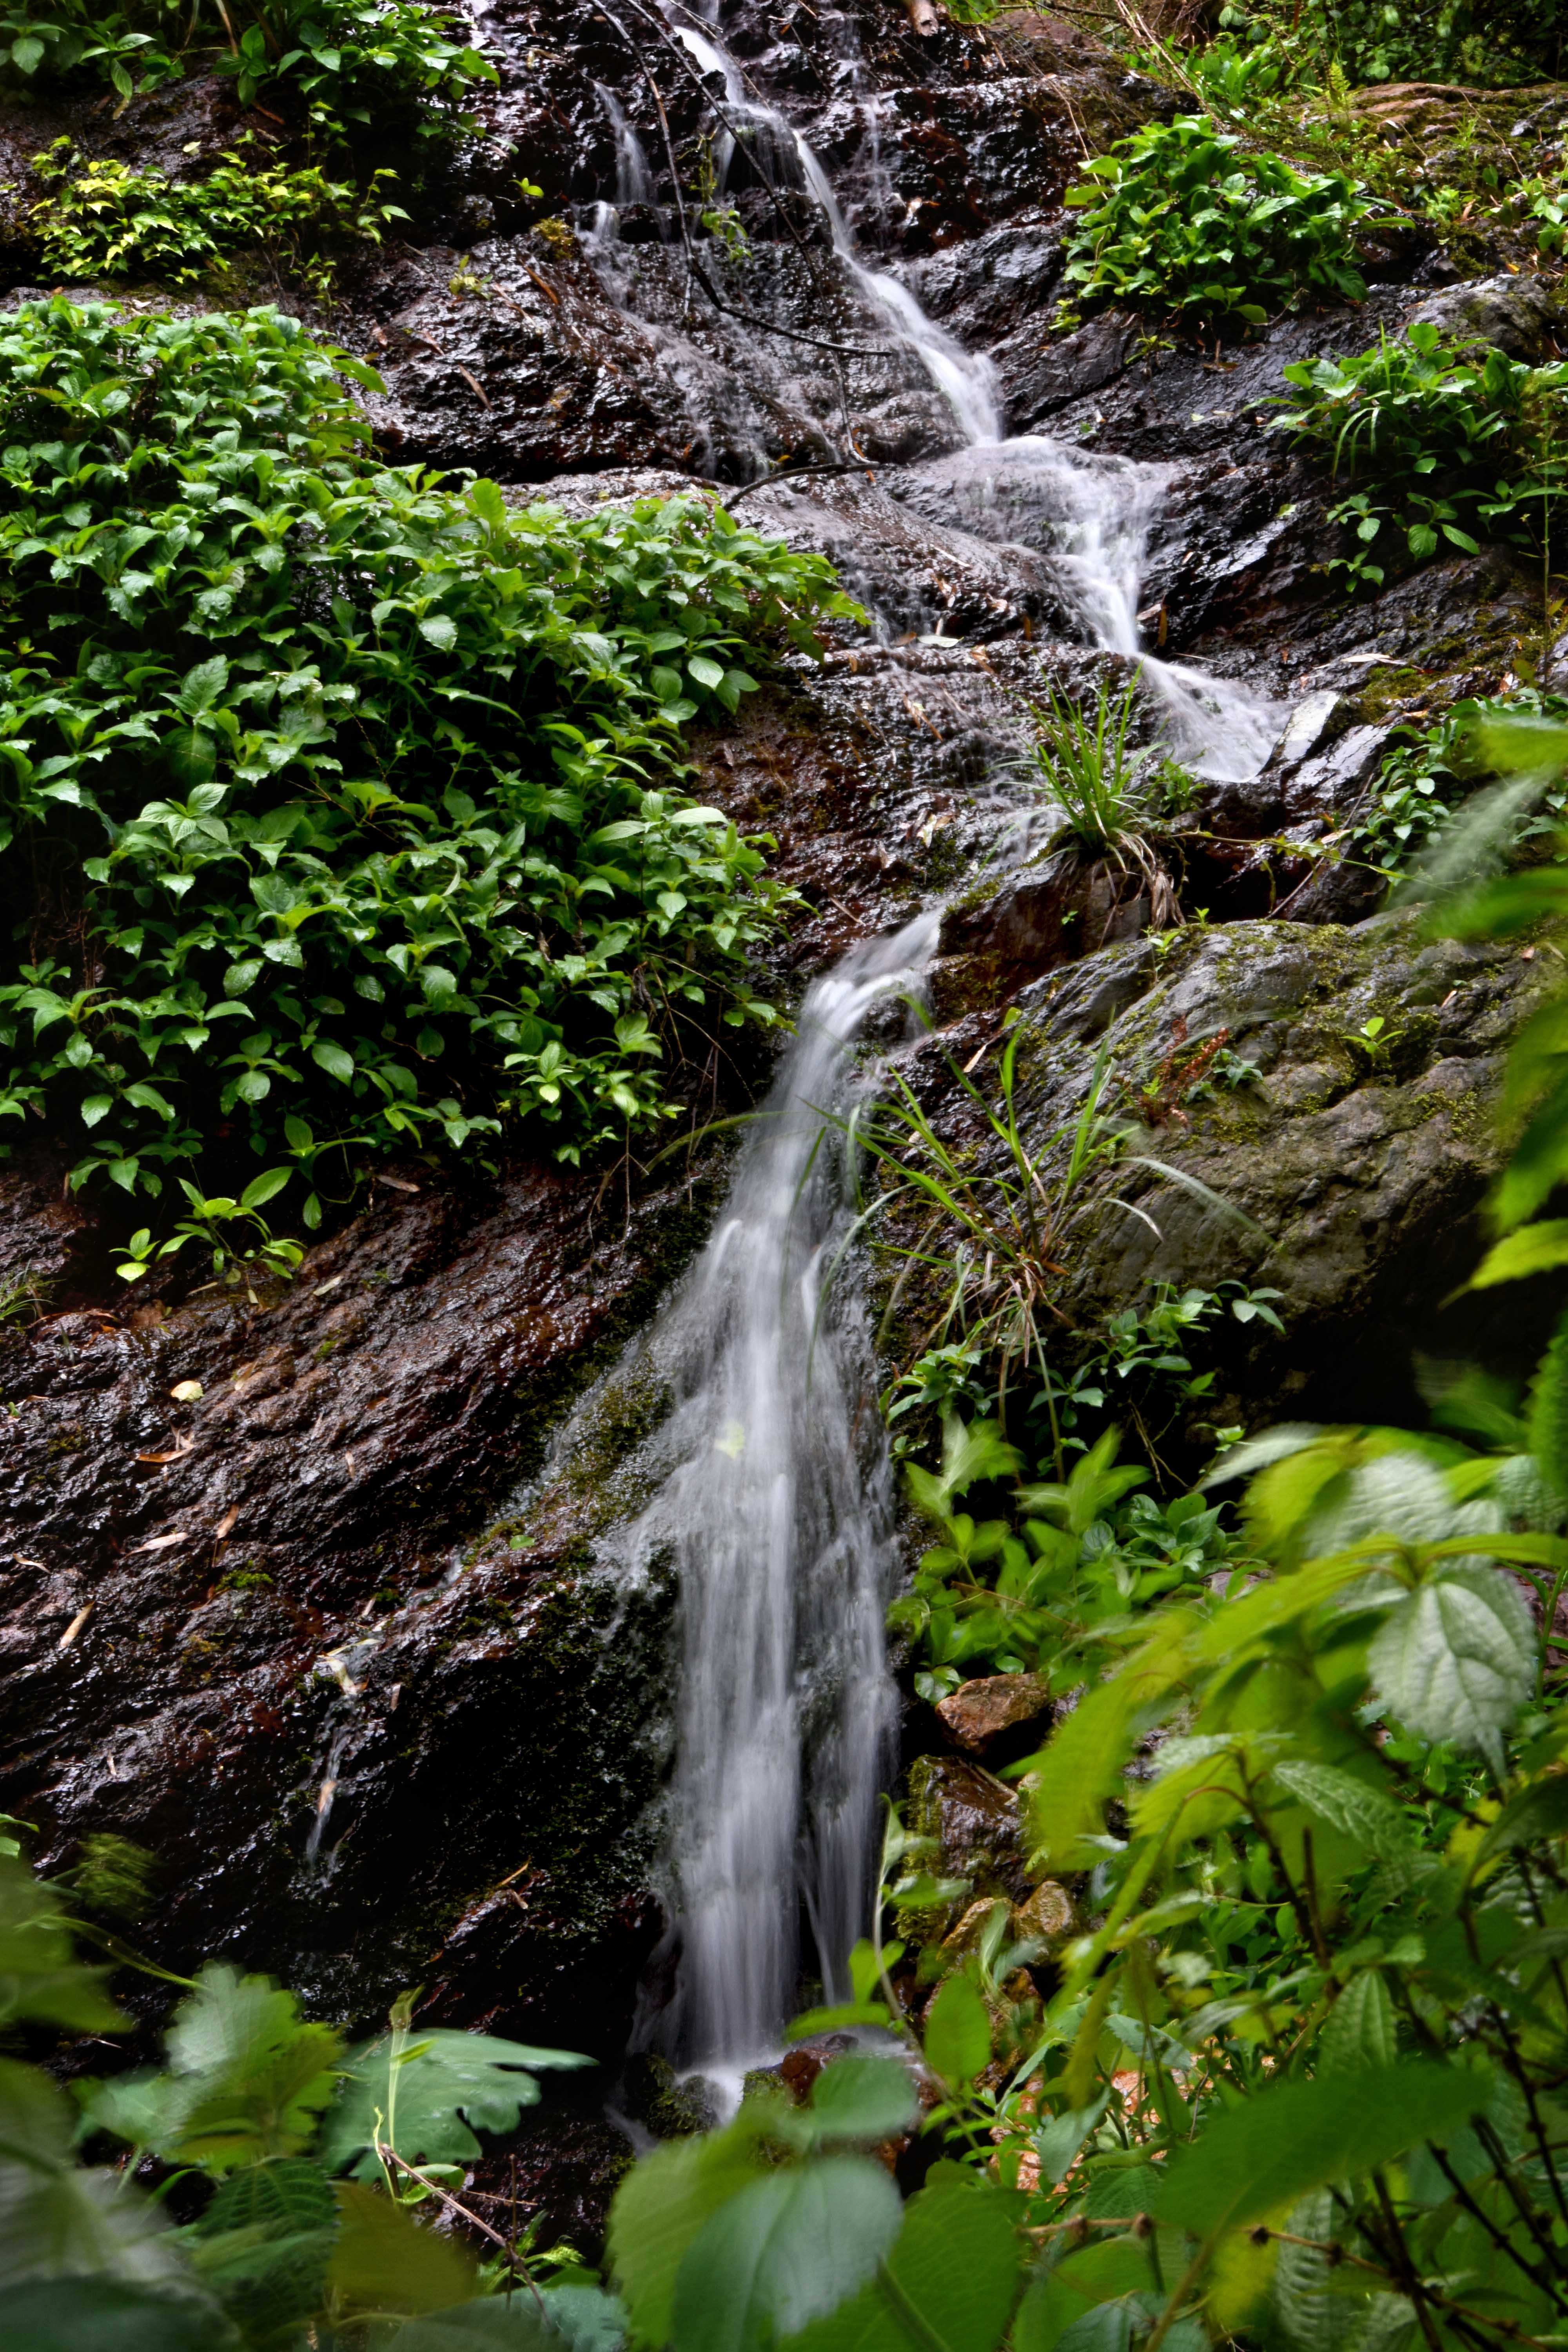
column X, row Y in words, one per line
column 965, row 379
column 1091, row 516
column 769, row 1476
column 771, row 1498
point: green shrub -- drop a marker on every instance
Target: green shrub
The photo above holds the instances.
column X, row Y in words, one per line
column 104, row 220
column 356, row 57
column 1484, row 435
column 343, row 806
column 1182, row 216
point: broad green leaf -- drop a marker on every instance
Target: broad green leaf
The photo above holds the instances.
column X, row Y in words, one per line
column 264, row 1188
column 202, row 687
column 1368, row 1815
column 386, row 2262
column 1456, row 1659
column 790, row 2248
column 958, row 2032
column 1359, row 2033
column 705, row 670
column 1534, row 1249
column 867, row 2099
column 662, row 2205
column 247, row 2078
column 440, row 630
column 56, row 2217
column 591, row 2319
column 337, row 1063
column 41, row 1981
column 445, row 2082
column 952, row 2277
column 98, row 2314
column 190, row 755
column 1295, row 2136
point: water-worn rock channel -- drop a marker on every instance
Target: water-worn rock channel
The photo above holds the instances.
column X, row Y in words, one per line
column 505, row 1615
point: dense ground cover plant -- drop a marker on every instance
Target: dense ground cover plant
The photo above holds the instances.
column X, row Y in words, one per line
column 358, row 59
column 343, row 807
column 1485, row 435
column 302, row 2159
column 1184, row 217
column 101, row 219
column 1428, row 777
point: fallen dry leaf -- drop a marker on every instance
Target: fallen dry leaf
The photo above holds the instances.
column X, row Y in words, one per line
column 77, row 1622
column 162, row 1543
column 225, row 1524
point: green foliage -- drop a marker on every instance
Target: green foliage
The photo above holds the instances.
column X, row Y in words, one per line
column 358, row 59
column 419, row 2094
column 102, row 219
column 260, row 2101
column 1107, row 789
column 1183, row 216
column 1028, row 1591
column 1487, row 437
column 370, row 784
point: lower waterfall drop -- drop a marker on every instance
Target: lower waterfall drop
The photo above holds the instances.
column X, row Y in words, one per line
column 779, row 1512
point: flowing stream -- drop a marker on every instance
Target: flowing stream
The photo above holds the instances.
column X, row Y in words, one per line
column 772, row 1491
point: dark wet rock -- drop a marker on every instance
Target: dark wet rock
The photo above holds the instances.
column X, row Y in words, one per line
column 975, row 1821
column 287, row 1678
column 1521, row 316
column 1350, row 1175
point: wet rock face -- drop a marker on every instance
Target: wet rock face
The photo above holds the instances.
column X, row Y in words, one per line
column 253, row 1632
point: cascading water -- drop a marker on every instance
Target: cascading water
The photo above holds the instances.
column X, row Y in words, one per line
column 773, row 1501
column 772, row 1492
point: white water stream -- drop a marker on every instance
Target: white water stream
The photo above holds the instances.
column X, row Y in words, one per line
column 773, row 1494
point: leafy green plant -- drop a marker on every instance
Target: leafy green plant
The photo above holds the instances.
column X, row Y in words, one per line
column 1481, row 431
column 268, row 2113
column 1305, row 2054
column 208, row 1224
column 354, row 59
column 104, row 220
column 1024, row 1592
column 372, row 785
column 1183, row 216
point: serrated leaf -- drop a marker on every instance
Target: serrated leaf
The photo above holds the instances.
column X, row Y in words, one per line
column 1293, row 2137
column 1360, row 2034
column 1456, row 1659
column 788, row 2249
column 1348, row 1805
column 446, row 2082
column 247, row 2078
column 1547, row 1421
column 487, row 2326
column 1539, row 1810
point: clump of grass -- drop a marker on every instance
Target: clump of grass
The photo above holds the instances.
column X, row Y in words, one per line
column 1105, row 788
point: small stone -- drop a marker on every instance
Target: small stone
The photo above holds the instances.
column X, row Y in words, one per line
column 1048, row 1918
column 978, row 1713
